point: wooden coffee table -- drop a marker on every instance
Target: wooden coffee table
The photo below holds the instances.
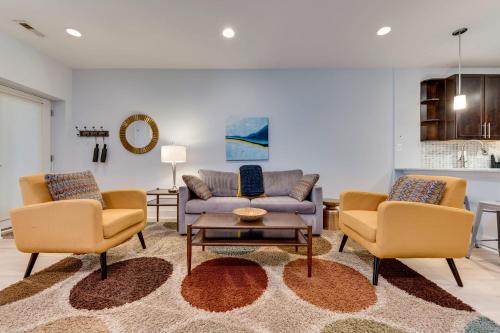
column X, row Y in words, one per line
column 272, row 221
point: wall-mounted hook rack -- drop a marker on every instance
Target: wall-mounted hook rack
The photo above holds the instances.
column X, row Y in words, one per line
column 98, row 133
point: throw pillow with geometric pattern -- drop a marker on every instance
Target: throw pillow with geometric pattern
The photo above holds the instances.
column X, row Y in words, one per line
column 304, row 186
column 417, row 190
column 76, row 185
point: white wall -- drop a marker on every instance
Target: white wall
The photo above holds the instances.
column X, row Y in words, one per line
column 338, row 123
column 25, row 68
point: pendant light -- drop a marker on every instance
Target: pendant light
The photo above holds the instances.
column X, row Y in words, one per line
column 460, row 101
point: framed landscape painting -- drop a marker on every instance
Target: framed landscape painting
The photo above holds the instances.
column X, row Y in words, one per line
column 247, row 139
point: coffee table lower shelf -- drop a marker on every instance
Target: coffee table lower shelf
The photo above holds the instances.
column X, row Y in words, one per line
column 300, row 240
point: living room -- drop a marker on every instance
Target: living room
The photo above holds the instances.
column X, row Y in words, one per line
column 204, row 227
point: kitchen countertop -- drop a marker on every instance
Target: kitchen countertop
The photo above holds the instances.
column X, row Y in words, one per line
column 472, row 170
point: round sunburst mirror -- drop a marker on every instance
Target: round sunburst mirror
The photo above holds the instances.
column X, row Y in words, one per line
column 139, row 133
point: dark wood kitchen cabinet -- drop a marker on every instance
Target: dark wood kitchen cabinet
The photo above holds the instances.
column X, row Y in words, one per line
column 469, row 123
column 479, row 120
column 492, row 106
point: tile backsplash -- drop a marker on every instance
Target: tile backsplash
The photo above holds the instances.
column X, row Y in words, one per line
column 444, row 154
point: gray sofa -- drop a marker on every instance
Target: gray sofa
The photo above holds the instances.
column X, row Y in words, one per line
column 277, row 186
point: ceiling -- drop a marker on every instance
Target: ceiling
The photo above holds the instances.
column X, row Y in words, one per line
column 269, row 33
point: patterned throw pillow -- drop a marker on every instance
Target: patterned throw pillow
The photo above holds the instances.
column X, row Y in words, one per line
column 417, row 190
column 197, row 186
column 77, row 185
column 304, row 186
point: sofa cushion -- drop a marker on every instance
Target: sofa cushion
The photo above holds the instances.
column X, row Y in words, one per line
column 278, row 183
column 250, row 181
column 304, row 186
column 116, row 220
column 197, row 186
column 216, row 205
column 221, row 184
column 364, row 222
column 284, row 204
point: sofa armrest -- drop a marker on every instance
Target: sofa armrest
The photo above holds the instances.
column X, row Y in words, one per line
column 58, row 226
column 356, row 200
column 184, row 196
column 411, row 229
column 317, row 200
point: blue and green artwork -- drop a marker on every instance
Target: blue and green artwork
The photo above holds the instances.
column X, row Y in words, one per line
column 247, row 139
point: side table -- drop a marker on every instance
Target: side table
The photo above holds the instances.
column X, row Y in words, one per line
column 164, row 198
column 331, row 214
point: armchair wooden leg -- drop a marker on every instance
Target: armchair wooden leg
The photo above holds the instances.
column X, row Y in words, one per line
column 376, row 266
column 342, row 243
column 31, row 263
column 104, row 266
column 141, row 238
column 454, row 270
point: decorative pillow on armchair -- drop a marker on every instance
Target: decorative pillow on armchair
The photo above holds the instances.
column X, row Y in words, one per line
column 304, row 186
column 197, row 186
column 76, row 185
column 417, row 190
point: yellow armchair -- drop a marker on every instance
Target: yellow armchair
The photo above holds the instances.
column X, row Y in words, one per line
column 75, row 226
column 397, row 229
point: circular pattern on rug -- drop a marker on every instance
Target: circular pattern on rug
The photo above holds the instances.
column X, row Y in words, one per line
column 320, row 246
column 232, row 250
column 333, row 286
column 224, row 284
column 128, row 281
column 211, row 326
column 170, row 225
column 482, row 324
column 359, row 326
column 417, row 285
column 40, row 280
column 73, row 324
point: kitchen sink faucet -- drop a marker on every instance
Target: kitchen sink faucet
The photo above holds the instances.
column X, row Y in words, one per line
column 463, row 154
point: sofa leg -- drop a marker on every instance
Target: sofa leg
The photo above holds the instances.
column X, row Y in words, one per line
column 376, row 266
column 104, row 266
column 454, row 270
column 342, row 243
column 31, row 263
column 141, row 238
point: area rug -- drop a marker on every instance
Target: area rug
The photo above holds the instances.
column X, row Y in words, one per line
column 263, row 289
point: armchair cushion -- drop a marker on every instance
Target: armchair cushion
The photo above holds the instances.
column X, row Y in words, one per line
column 417, row 190
column 364, row 222
column 76, row 185
column 116, row 220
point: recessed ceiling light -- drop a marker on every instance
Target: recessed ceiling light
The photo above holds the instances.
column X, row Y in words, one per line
column 228, row 33
column 383, row 31
column 73, row 32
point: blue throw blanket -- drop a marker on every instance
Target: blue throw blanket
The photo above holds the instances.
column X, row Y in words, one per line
column 251, row 180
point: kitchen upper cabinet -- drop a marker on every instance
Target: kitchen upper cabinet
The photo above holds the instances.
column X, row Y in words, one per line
column 479, row 120
column 492, row 106
column 469, row 121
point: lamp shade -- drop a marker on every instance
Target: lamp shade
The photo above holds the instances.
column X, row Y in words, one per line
column 459, row 102
column 173, row 154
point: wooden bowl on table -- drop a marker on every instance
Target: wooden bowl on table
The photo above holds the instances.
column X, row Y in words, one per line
column 250, row 214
